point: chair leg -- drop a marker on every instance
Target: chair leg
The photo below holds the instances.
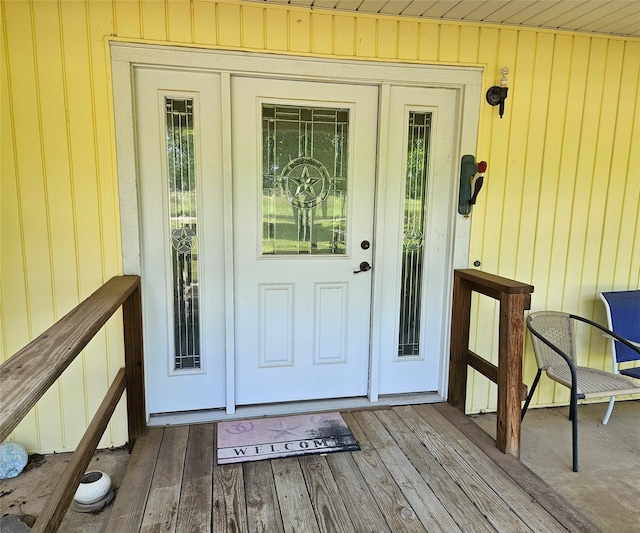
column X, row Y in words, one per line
column 571, row 411
column 574, row 429
column 609, row 410
column 530, row 395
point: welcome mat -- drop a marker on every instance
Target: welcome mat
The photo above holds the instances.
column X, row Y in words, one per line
column 286, row 436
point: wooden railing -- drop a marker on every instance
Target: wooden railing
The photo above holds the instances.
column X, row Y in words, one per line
column 515, row 299
column 28, row 374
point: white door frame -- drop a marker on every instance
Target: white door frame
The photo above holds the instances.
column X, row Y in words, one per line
column 466, row 81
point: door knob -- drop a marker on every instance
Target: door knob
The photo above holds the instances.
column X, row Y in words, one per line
column 364, row 266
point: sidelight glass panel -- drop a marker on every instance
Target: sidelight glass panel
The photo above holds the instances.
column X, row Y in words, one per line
column 304, row 179
column 413, row 243
column 183, row 231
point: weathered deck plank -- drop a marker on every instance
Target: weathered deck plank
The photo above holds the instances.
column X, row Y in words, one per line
column 128, row 509
column 415, row 472
column 263, row 509
column 355, row 493
column 229, row 503
column 161, row 512
column 295, row 503
column 330, row 511
column 194, row 511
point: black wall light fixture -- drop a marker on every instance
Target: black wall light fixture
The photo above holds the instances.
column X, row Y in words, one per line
column 497, row 95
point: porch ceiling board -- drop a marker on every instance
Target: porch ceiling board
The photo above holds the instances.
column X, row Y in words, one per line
column 416, row 471
column 610, row 17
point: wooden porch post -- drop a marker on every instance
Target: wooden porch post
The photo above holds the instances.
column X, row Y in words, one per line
column 510, row 350
column 461, row 317
column 133, row 357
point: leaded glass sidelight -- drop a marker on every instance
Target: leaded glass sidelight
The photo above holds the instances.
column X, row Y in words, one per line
column 304, row 179
column 183, row 232
column 413, row 242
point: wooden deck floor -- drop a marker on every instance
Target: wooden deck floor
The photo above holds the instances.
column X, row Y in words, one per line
column 416, row 472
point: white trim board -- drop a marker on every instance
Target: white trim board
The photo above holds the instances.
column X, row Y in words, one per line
column 279, row 409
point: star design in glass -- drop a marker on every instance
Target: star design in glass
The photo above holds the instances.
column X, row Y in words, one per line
column 305, row 183
column 182, row 239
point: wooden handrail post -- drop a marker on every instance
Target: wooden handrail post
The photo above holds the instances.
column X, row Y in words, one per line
column 510, row 350
column 515, row 299
column 134, row 366
column 461, row 317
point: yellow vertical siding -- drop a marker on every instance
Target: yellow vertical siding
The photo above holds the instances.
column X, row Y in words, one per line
column 408, row 40
column 204, row 22
column 343, row 35
column 387, row 39
column 300, row 24
column 155, row 24
column 366, row 37
column 229, row 22
column 277, row 30
column 127, row 19
column 179, row 21
column 429, row 42
column 322, row 33
column 559, row 209
column 253, row 27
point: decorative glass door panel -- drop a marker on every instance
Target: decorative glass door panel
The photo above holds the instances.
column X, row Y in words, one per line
column 415, row 214
column 304, row 180
column 183, row 223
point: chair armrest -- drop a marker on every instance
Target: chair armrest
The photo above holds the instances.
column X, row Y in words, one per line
column 633, row 343
column 635, row 346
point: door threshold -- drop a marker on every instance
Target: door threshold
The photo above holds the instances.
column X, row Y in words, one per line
column 290, row 408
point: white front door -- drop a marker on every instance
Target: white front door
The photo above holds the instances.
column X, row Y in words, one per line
column 304, row 161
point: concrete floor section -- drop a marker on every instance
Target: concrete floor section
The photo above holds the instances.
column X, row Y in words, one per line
column 606, row 490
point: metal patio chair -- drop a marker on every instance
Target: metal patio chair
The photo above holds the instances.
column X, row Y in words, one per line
column 553, row 338
column 623, row 317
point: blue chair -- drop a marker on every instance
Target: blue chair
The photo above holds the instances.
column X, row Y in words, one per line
column 623, row 317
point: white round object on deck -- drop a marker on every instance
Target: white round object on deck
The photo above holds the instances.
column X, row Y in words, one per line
column 93, row 487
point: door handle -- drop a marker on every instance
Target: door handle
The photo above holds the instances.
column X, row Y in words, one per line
column 364, row 266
